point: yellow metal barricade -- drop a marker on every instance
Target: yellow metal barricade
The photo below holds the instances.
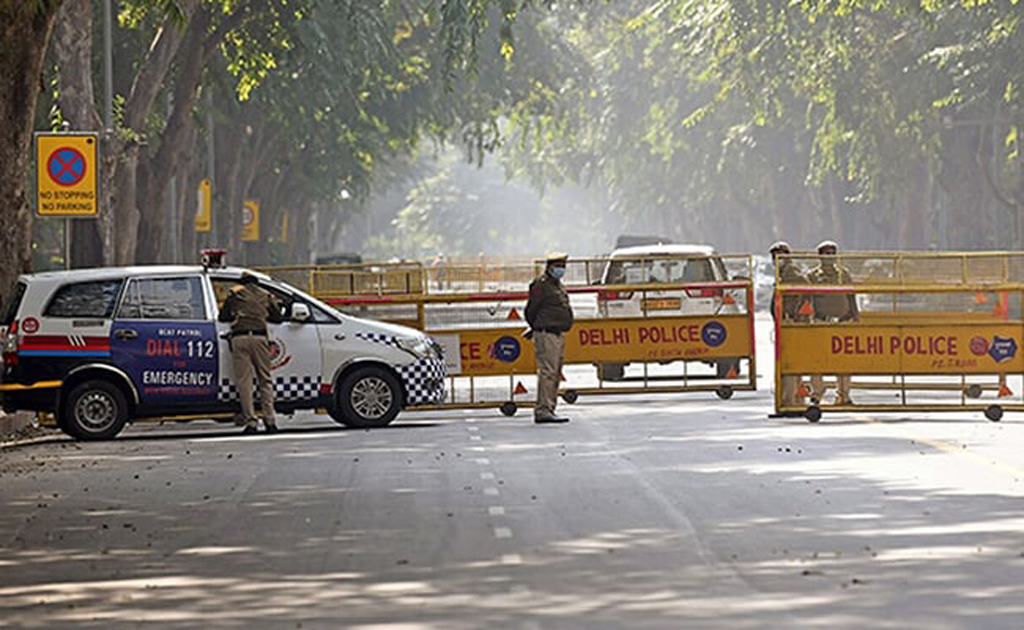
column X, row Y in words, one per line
column 629, row 338
column 930, row 332
column 325, row 281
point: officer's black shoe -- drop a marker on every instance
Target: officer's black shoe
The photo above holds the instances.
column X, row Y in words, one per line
column 271, row 428
column 249, row 429
column 550, row 420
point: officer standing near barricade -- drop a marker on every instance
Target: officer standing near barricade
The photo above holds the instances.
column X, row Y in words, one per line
column 249, row 308
column 832, row 307
column 550, row 316
column 788, row 274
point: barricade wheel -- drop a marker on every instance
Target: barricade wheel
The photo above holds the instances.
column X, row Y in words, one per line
column 813, row 413
column 95, row 410
column 509, row 408
column 973, row 391
column 994, row 413
column 570, row 396
column 724, row 392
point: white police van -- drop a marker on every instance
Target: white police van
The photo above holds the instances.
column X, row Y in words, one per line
column 98, row 348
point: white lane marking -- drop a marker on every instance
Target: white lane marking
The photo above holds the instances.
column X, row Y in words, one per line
column 512, row 558
column 502, row 532
column 491, row 492
column 487, row 475
column 496, row 510
column 475, row 438
column 483, row 461
column 473, row 428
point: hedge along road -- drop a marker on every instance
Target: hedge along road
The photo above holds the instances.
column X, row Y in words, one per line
column 677, row 511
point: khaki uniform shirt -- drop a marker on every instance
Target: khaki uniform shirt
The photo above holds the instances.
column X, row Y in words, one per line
column 548, row 306
column 790, row 274
column 249, row 308
column 833, row 305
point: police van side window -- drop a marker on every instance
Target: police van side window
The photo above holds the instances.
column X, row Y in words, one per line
column 163, row 298
column 85, row 299
column 11, row 305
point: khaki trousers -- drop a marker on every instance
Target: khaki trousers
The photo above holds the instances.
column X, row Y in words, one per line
column 790, row 385
column 250, row 355
column 550, row 351
column 842, row 387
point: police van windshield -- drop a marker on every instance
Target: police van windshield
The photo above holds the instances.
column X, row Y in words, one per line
column 660, row 270
column 285, row 293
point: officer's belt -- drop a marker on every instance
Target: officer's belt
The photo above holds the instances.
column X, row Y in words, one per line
column 246, row 333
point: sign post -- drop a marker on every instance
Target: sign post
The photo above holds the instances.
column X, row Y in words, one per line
column 67, row 175
column 251, row 221
column 67, row 179
column 204, row 206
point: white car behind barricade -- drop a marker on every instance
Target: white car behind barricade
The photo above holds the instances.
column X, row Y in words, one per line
column 98, row 348
column 664, row 264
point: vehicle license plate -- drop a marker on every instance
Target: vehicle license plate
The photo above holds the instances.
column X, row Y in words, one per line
column 662, row 304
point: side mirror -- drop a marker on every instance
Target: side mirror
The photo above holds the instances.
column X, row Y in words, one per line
column 300, row 312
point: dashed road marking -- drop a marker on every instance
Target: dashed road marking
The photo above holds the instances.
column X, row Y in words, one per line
column 496, row 510
column 487, row 475
column 491, row 492
column 502, row 532
column 512, row 558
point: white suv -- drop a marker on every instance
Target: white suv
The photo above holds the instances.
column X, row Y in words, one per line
column 663, row 264
column 100, row 347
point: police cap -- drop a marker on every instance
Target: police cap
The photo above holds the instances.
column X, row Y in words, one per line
column 555, row 258
column 780, row 247
column 827, row 244
column 248, row 278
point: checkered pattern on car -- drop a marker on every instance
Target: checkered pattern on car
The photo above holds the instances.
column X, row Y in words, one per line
column 424, row 381
column 285, row 388
column 389, row 340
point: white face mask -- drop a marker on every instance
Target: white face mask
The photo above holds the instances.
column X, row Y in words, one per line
column 557, row 272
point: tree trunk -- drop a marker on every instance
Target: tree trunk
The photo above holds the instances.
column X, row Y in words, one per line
column 72, row 47
column 26, row 29
column 164, row 163
column 138, row 105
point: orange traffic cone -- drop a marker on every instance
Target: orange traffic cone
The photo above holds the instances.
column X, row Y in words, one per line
column 732, row 372
column 1004, row 390
column 1001, row 309
column 807, row 309
column 520, row 388
column 980, row 298
column 514, row 314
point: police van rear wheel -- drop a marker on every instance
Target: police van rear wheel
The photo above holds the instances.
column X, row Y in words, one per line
column 369, row 397
column 95, row 410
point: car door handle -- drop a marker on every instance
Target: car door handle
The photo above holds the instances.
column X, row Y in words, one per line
column 126, row 333
column 340, row 336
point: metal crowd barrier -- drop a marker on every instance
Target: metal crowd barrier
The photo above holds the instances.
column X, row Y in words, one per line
column 934, row 332
column 629, row 338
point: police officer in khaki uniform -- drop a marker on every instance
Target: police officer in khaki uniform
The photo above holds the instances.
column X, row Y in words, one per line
column 832, row 307
column 788, row 273
column 550, row 316
column 248, row 308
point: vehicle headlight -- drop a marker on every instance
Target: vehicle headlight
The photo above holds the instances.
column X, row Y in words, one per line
column 419, row 347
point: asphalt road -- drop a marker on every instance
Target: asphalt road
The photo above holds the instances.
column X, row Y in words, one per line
column 678, row 511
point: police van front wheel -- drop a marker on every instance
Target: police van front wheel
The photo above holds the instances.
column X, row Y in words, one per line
column 95, row 410
column 367, row 398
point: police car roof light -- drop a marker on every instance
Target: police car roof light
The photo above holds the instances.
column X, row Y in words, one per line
column 213, row 258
